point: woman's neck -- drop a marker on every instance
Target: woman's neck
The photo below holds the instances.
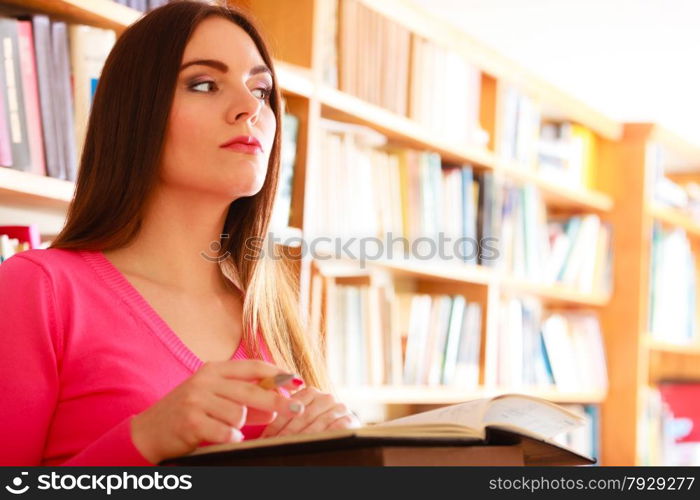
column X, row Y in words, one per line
column 177, row 246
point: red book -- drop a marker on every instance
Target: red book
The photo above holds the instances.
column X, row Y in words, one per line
column 31, row 98
column 29, row 234
column 683, row 398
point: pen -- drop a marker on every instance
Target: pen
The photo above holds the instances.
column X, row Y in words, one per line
column 289, row 381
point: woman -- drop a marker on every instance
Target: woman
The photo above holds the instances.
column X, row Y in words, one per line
column 128, row 342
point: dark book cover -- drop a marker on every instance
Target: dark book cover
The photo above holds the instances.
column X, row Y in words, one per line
column 42, row 51
column 63, row 101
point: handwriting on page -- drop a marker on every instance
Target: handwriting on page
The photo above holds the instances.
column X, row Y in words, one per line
column 531, row 415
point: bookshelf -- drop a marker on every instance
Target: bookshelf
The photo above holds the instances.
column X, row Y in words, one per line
column 417, row 395
column 34, row 189
column 641, row 360
column 617, row 196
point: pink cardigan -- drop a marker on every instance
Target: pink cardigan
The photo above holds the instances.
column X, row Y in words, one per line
column 81, row 353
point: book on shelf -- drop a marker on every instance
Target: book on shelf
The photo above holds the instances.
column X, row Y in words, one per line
column 579, row 253
column 586, row 438
column 666, row 189
column 376, row 336
column 48, row 85
column 507, row 419
column 547, row 349
column 15, row 239
column 672, row 290
column 142, row 5
column 518, row 129
column 5, row 138
column 89, row 48
column 567, row 153
column 683, row 402
column 398, row 192
column 282, row 209
column 429, row 81
column 442, row 339
column 41, row 26
column 30, row 86
column 442, row 81
column 10, row 246
column 24, row 234
column 13, row 97
column 575, row 351
column 360, row 342
column 575, row 251
column 415, row 195
column 668, row 424
column 368, row 47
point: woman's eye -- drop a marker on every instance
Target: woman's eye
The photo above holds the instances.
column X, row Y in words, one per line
column 199, row 85
column 262, row 93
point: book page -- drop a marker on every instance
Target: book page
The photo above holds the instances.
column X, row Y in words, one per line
column 538, row 417
column 468, row 414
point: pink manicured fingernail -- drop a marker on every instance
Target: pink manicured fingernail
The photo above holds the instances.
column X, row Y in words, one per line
column 297, row 381
column 236, row 435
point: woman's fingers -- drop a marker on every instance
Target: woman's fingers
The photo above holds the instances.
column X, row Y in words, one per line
column 305, row 397
column 320, row 404
column 244, row 391
column 226, row 411
column 345, row 422
column 323, row 421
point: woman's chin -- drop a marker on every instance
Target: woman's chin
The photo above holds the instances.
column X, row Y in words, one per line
column 251, row 189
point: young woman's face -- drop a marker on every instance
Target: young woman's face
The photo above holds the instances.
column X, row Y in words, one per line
column 222, row 93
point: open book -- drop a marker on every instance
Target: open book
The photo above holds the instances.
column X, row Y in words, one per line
column 502, row 420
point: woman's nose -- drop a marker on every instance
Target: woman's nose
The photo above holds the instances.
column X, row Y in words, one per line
column 244, row 106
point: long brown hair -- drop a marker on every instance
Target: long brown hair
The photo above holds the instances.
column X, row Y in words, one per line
column 119, row 169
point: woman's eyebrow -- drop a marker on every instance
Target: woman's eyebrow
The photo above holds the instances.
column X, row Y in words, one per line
column 221, row 66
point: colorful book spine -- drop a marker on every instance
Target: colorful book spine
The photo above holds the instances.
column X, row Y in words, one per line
column 14, row 95
column 31, row 98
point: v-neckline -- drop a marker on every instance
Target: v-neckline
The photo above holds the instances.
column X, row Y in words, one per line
column 133, row 298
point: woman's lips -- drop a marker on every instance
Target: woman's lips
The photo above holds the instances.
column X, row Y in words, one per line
column 240, row 147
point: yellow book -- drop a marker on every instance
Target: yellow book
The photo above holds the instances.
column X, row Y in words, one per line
column 588, row 154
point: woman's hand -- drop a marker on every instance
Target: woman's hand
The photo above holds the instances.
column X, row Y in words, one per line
column 211, row 405
column 321, row 412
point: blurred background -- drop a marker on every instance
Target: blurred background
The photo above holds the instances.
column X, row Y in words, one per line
column 628, row 58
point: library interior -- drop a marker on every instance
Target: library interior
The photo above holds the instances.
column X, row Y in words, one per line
column 459, row 226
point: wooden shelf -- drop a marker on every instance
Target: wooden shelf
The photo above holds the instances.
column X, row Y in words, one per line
column 294, row 79
column 559, row 195
column 100, row 13
column 690, row 349
column 555, row 294
column 300, row 82
column 23, row 187
column 674, row 218
column 551, row 294
column 428, row 25
column 478, row 275
column 339, row 105
column 681, row 155
column 440, row 395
